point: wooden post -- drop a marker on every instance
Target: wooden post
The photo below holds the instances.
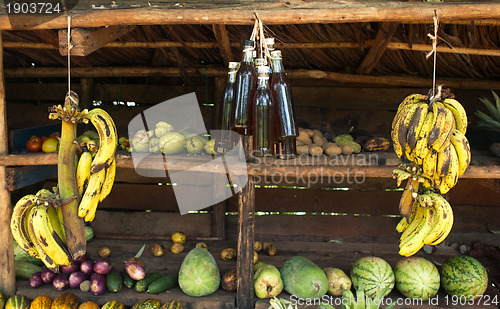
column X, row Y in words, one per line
column 86, row 95
column 7, row 273
column 219, row 220
column 244, row 264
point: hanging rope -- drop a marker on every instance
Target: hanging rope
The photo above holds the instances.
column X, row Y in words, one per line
column 434, row 38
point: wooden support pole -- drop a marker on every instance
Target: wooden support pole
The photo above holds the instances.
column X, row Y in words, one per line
column 7, row 272
column 244, row 263
column 377, row 49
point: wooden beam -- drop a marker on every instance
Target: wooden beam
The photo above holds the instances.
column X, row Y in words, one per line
column 86, row 41
column 7, row 273
column 270, row 12
column 378, row 47
column 305, row 45
column 385, row 81
column 221, row 36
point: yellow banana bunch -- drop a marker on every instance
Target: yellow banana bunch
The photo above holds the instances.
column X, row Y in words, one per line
column 430, row 223
column 101, row 169
column 18, row 224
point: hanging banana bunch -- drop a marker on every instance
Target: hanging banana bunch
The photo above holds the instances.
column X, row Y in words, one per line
column 50, row 225
column 428, row 135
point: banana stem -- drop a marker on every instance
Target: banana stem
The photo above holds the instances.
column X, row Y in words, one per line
column 73, row 225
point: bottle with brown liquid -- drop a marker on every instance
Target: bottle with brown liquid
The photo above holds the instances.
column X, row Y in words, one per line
column 224, row 142
column 262, row 115
column 285, row 127
column 246, row 82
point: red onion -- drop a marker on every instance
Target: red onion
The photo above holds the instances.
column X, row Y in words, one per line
column 61, row 282
column 97, row 284
column 135, row 267
column 48, row 275
column 69, row 269
column 87, row 267
column 76, row 278
column 36, row 280
column 102, row 266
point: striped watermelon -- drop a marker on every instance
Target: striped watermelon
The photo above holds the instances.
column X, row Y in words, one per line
column 463, row 276
column 416, row 277
column 374, row 273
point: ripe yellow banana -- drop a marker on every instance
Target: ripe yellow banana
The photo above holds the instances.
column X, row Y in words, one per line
column 447, row 128
column 429, row 164
column 47, row 240
column 420, row 151
column 400, row 129
column 83, row 172
column 443, row 162
column 17, row 224
column 415, row 241
column 443, row 220
column 108, row 139
column 416, row 125
column 425, row 200
column 108, row 180
column 459, row 114
column 413, row 221
column 402, row 225
column 413, row 99
column 461, row 145
column 400, row 175
column 451, row 178
column 438, row 126
column 90, row 199
column 56, row 224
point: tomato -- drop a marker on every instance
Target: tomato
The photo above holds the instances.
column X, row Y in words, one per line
column 50, row 145
column 43, row 138
column 34, row 144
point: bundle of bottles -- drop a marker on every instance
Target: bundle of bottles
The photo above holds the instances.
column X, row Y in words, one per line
column 257, row 104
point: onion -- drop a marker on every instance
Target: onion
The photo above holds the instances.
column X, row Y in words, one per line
column 69, row 269
column 97, row 284
column 76, row 278
column 87, row 267
column 102, row 266
column 61, row 282
column 135, row 267
column 48, row 275
column 36, row 280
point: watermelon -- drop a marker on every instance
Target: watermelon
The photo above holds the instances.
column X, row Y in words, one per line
column 374, row 274
column 199, row 274
column 463, row 276
column 304, row 279
column 416, row 277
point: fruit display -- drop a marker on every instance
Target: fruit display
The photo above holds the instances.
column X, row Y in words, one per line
column 463, row 276
column 430, row 135
column 374, row 274
column 303, row 278
column 49, row 225
column 166, row 140
column 416, row 277
column 198, row 273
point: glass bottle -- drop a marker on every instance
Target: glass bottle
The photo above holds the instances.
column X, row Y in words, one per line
column 246, row 82
column 224, row 142
column 285, row 127
column 262, row 115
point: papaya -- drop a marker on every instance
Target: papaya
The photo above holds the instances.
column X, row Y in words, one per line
column 267, row 280
column 304, row 279
column 199, row 274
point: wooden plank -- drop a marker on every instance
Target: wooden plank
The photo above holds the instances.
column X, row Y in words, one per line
column 7, row 273
column 377, row 49
column 246, row 206
column 270, row 12
column 23, row 176
column 386, row 81
column 86, row 41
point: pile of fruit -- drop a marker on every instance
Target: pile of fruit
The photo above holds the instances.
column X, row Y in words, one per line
column 50, row 225
column 429, row 137
column 46, row 144
column 164, row 139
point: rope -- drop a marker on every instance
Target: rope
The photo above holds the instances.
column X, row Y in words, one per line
column 434, row 52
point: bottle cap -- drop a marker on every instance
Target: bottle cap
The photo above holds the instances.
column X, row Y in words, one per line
column 248, row 43
column 270, row 43
column 234, row 65
column 276, row 54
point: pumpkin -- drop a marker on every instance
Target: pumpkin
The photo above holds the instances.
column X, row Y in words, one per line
column 89, row 305
column 41, row 302
column 65, row 301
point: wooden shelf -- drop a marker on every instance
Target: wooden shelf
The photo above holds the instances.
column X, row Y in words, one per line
column 376, row 164
column 324, row 254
